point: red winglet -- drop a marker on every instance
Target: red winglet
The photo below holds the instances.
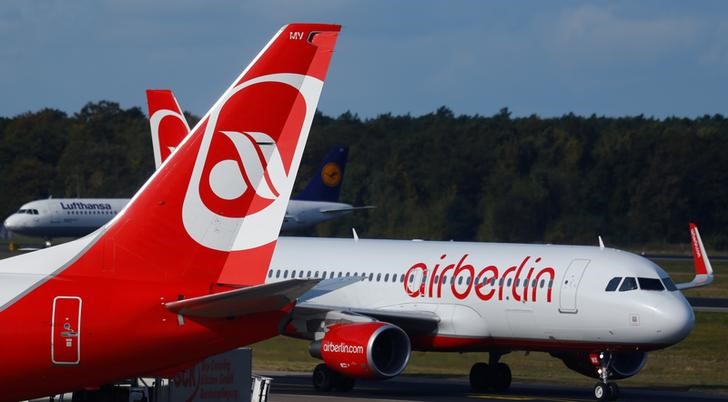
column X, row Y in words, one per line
column 703, row 269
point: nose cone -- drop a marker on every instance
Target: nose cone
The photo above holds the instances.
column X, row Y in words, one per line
column 676, row 319
column 12, row 222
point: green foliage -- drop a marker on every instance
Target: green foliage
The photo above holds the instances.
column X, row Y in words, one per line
column 633, row 180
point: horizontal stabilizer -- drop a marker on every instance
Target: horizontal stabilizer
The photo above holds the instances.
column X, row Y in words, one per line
column 243, row 301
column 703, row 269
column 345, row 209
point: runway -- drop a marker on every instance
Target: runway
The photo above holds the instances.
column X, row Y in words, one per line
column 291, row 387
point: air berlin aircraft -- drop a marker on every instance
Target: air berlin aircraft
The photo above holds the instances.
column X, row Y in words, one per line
column 599, row 310
column 146, row 294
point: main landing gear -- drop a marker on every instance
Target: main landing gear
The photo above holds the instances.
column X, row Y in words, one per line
column 326, row 380
column 493, row 375
column 605, row 390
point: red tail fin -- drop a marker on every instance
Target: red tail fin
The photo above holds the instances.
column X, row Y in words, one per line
column 167, row 122
column 221, row 197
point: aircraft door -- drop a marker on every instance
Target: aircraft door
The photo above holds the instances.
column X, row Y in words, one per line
column 66, row 330
column 570, row 286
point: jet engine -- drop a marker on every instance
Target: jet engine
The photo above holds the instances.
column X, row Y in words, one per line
column 364, row 350
column 622, row 365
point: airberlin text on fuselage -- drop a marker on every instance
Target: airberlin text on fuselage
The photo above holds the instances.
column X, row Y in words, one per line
column 518, row 282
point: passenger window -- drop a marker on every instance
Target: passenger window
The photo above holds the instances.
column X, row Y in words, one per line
column 460, row 280
column 308, row 275
column 628, row 284
column 650, row 284
column 278, row 273
column 379, row 277
column 613, row 284
column 285, row 274
column 401, row 278
column 509, row 282
column 371, row 277
column 386, row 278
column 270, row 273
column 669, row 284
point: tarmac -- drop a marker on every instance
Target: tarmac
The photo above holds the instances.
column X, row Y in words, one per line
column 295, row 386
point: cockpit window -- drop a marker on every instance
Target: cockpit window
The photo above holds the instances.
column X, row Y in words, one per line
column 669, row 284
column 650, row 284
column 34, row 211
column 628, row 284
column 613, row 283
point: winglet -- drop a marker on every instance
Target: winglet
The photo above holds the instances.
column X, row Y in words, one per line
column 703, row 269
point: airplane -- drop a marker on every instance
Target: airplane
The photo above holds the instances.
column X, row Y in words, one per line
column 147, row 294
column 316, row 203
column 599, row 310
column 73, row 217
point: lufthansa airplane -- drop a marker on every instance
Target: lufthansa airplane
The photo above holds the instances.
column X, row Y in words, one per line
column 597, row 309
column 146, row 294
column 74, row 217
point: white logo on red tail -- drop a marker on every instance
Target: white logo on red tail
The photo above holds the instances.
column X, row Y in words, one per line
column 253, row 141
column 158, row 143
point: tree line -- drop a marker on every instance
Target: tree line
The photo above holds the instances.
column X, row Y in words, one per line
column 634, row 180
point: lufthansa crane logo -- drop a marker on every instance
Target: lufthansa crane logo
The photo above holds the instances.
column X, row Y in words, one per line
column 331, row 174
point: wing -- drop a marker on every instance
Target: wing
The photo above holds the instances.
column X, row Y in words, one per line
column 307, row 319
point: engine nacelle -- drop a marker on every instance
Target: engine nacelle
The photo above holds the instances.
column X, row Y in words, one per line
column 364, row 350
column 623, row 364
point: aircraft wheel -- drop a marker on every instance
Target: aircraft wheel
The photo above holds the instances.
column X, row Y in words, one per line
column 601, row 392
column 613, row 391
column 343, row 383
column 322, row 378
column 479, row 377
column 501, row 377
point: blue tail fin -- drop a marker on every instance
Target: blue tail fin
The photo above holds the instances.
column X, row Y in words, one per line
column 326, row 184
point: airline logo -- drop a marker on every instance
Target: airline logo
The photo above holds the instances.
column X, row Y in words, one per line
column 331, row 174
column 520, row 282
column 84, row 205
column 176, row 132
column 241, row 180
column 342, row 347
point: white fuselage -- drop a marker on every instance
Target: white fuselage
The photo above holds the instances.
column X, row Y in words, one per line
column 543, row 297
column 74, row 217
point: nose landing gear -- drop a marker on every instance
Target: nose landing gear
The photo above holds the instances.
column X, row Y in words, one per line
column 604, row 390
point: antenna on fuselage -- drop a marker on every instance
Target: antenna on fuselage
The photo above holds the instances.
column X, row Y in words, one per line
column 356, row 236
column 601, row 243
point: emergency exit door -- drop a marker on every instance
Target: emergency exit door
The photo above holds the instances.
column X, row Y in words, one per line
column 570, row 286
column 66, row 330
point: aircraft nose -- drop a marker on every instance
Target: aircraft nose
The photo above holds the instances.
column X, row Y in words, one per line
column 11, row 222
column 677, row 319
